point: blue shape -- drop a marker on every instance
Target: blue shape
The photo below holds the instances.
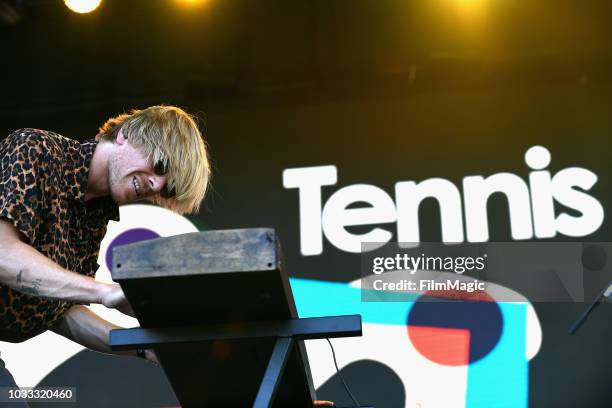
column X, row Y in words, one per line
column 501, row 379
column 320, row 298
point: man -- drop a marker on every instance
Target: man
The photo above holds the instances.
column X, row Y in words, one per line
column 56, row 198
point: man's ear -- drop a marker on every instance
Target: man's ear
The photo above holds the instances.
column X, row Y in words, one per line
column 121, row 139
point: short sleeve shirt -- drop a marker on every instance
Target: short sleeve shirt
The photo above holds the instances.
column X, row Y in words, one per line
column 43, row 180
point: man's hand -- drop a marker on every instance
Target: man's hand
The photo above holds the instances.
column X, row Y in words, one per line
column 114, row 298
column 151, row 357
column 322, row 403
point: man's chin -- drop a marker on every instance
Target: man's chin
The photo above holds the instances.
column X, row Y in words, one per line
column 121, row 199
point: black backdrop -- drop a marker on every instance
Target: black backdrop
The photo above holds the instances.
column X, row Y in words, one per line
column 387, row 91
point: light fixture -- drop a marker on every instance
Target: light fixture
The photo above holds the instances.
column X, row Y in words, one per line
column 82, row 6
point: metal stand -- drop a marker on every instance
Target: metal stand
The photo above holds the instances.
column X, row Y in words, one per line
column 605, row 295
column 286, row 332
column 274, row 373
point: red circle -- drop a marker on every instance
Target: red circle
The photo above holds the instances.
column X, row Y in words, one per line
column 445, row 345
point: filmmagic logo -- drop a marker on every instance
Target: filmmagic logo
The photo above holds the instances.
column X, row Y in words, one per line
column 430, row 285
column 531, row 205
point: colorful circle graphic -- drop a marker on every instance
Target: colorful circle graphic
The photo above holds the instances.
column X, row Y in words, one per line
column 454, row 332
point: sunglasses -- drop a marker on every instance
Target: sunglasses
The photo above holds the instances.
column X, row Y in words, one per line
column 161, row 169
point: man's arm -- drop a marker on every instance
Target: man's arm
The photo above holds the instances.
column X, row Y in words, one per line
column 26, row 270
column 83, row 326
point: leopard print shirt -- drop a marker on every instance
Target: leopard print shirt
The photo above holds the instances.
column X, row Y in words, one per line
column 43, row 179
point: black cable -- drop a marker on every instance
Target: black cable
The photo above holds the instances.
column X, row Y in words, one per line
column 341, row 377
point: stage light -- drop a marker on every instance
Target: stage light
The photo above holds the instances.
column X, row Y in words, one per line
column 470, row 3
column 471, row 6
column 191, row 2
column 82, row 6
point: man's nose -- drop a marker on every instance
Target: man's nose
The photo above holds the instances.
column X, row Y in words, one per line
column 157, row 183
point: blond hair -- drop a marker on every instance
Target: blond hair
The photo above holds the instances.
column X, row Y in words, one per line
column 170, row 135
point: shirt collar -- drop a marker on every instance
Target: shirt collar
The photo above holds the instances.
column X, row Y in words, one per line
column 81, row 166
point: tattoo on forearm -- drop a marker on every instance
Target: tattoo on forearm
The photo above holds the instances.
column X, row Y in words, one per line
column 32, row 288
